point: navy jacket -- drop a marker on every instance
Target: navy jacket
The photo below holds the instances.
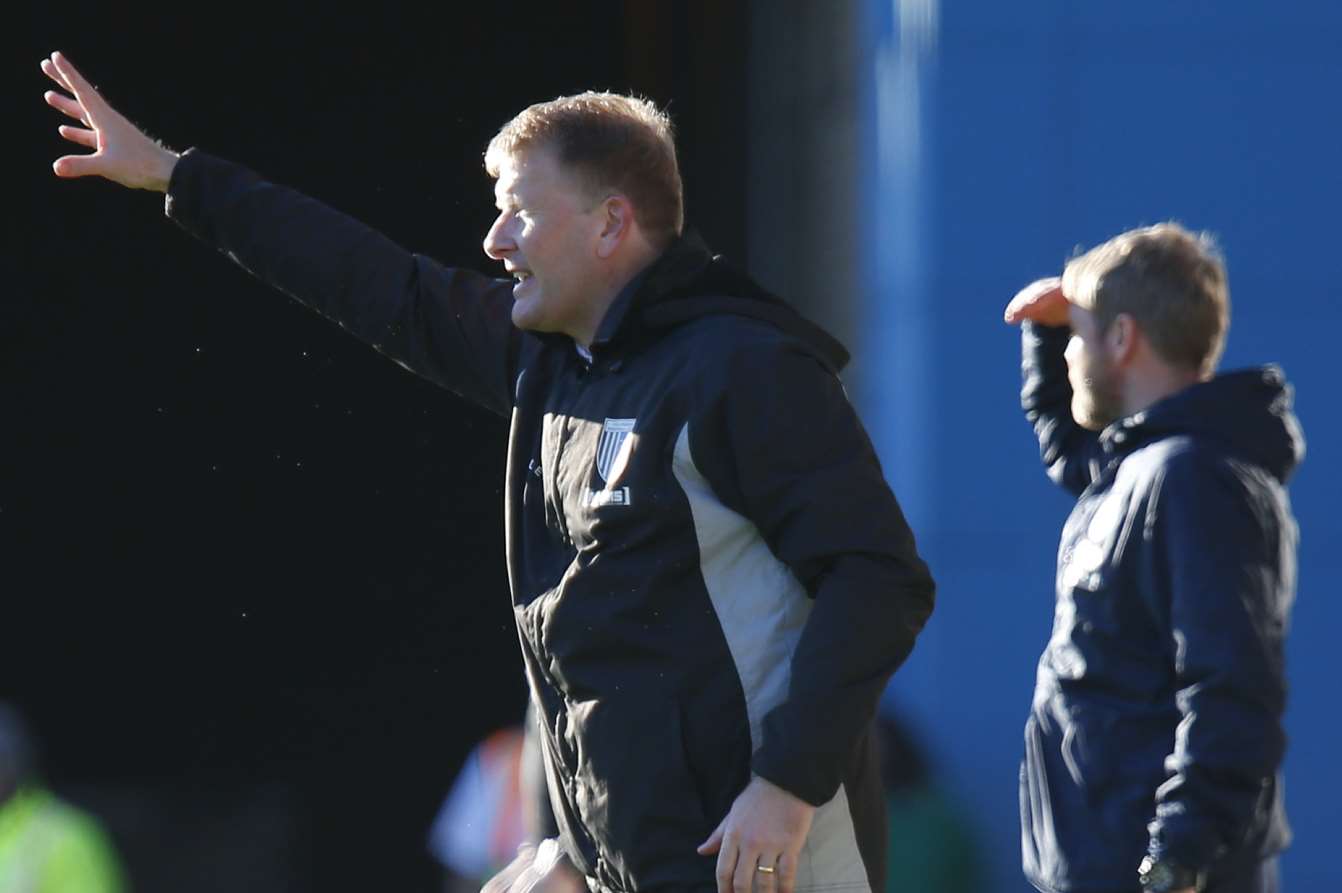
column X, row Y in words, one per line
column 1156, row 721
column 709, row 573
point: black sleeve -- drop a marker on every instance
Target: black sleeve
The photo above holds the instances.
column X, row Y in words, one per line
column 1070, row 453
column 451, row 326
column 1225, row 543
column 787, row 451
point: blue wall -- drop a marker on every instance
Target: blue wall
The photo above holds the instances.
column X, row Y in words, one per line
column 999, row 137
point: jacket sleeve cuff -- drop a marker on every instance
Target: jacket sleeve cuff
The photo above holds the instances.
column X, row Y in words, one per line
column 811, row 789
column 178, row 201
column 1191, row 850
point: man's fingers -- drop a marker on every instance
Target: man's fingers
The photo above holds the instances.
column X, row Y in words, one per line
column 744, row 876
column 70, row 76
column 1041, row 301
column 1029, row 295
column 79, row 135
column 49, row 69
column 714, row 842
column 68, row 106
column 787, row 873
column 727, row 858
column 78, row 166
column 72, row 107
column 76, row 107
column 74, row 81
column 766, row 881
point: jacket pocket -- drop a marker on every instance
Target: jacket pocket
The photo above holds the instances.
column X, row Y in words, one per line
column 1066, row 780
column 1086, row 752
column 635, row 793
column 1039, row 843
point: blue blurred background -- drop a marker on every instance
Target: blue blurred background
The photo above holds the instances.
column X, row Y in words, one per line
column 998, row 137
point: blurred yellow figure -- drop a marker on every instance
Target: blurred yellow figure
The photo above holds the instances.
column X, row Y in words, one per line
column 46, row 844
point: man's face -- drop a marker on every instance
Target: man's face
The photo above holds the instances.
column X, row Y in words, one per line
column 1095, row 376
column 546, row 235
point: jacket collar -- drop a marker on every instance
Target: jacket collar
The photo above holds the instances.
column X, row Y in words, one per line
column 1248, row 411
column 688, row 282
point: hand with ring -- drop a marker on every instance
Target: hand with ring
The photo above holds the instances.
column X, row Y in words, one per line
column 759, row 843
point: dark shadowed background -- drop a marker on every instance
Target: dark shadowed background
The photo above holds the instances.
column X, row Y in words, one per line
column 253, row 582
column 252, row 590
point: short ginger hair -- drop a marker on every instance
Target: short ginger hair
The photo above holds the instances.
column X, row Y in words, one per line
column 612, row 143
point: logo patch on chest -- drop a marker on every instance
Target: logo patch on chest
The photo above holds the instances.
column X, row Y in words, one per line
column 612, row 457
column 1087, row 556
column 612, row 450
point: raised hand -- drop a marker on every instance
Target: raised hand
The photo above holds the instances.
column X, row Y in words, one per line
column 121, row 152
column 1041, row 301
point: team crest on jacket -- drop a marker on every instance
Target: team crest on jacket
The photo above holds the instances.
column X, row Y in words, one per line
column 612, row 451
column 612, row 455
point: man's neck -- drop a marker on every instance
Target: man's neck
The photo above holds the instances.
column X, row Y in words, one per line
column 619, row 289
column 1153, row 383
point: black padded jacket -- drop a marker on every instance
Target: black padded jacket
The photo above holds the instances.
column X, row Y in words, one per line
column 709, row 573
column 1156, row 723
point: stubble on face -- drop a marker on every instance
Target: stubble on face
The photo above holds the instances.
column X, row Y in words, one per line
column 1096, row 396
column 1096, row 402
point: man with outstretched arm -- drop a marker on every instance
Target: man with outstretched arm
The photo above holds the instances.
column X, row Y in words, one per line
column 1154, row 743
column 711, row 579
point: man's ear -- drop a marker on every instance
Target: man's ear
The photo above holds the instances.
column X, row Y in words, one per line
column 1122, row 338
column 617, row 222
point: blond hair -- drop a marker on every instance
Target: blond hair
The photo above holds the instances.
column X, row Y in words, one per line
column 1168, row 279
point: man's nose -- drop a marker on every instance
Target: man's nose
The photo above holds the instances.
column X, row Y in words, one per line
column 497, row 243
column 1073, row 351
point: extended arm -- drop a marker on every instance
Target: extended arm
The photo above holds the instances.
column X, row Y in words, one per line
column 451, row 326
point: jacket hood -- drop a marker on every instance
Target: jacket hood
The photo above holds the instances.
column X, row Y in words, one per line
column 1248, row 411
column 689, row 282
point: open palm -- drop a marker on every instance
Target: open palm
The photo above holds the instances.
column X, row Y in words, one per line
column 121, row 152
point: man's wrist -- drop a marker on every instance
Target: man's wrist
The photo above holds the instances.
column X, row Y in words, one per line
column 160, row 170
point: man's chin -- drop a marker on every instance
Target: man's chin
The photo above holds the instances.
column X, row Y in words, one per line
column 1088, row 416
column 526, row 317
